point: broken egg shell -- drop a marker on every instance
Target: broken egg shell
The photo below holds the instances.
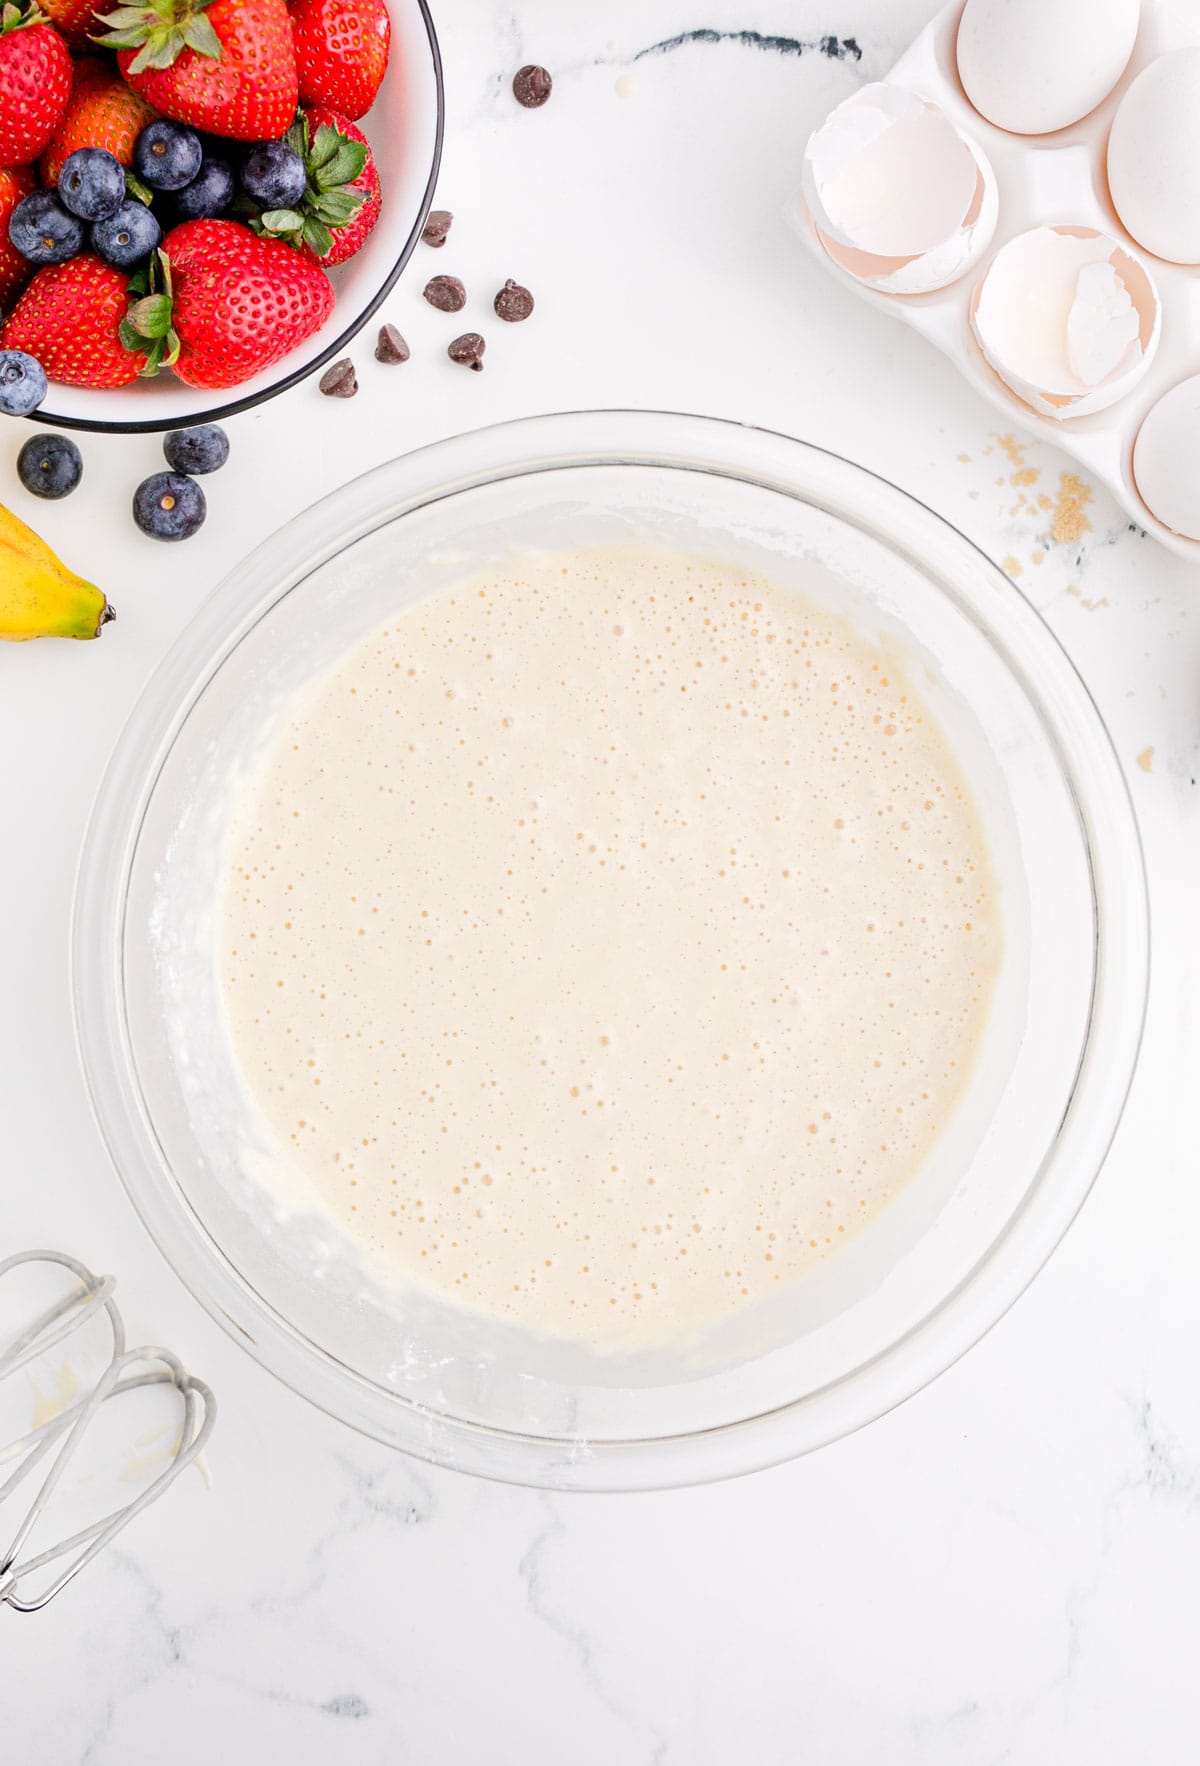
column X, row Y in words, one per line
column 1166, row 459
column 1067, row 318
column 1032, row 67
column 898, row 197
column 888, row 173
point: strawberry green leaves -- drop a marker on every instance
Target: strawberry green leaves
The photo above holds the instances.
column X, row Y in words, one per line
column 148, row 325
column 332, row 159
column 15, row 18
column 332, row 162
column 335, row 208
column 160, row 33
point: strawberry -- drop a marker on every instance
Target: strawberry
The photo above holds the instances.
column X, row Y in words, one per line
column 229, row 304
column 70, row 319
column 226, row 66
column 341, row 204
column 15, row 270
column 341, row 52
column 102, row 111
column 35, row 83
column 74, row 20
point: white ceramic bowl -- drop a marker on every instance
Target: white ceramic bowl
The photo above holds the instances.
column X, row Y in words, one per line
column 404, row 127
column 899, row 1303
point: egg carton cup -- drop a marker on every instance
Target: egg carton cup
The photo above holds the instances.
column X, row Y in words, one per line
column 1055, row 180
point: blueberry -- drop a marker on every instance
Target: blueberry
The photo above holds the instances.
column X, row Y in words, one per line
column 167, row 155
column 209, row 193
column 22, row 383
column 129, row 236
column 91, row 183
column 274, row 175
column 169, row 506
column 42, row 230
column 50, row 465
column 203, row 449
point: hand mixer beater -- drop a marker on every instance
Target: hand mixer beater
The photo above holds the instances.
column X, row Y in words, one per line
column 30, row 1578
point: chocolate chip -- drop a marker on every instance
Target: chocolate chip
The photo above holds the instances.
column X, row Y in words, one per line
column 437, row 226
column 391, row 346
column 446, row 293
column 468, row 349
column 513, row 302
column 531, row 86
column 339, row 381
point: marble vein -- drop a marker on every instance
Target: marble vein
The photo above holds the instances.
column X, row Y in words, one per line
column 836, row 48
column 161, row 1650
column 532, row 1572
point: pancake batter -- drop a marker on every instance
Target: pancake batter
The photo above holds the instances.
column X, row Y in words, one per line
column 609, row 938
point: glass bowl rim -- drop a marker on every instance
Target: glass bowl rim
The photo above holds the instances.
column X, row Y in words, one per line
column 563, row 441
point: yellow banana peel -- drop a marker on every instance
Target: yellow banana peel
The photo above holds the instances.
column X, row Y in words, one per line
column 39, row 596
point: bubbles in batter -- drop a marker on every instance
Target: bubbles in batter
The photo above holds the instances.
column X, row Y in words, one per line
column 609, row 938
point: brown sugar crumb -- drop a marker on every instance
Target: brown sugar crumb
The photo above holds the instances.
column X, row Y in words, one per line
column 1013, row 450
column 1070, row 521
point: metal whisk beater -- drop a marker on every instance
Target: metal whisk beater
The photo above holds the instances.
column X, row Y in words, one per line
column 56, row 1439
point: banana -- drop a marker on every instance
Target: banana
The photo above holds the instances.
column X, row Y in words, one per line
column 39, row 596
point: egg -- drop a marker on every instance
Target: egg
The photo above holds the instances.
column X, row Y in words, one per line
column 1033, row 66
column 1154, row 157
column 1166, row 459
column 899, row 197
column 1067, row 318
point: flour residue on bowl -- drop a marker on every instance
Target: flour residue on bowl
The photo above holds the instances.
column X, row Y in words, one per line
column 609, row 938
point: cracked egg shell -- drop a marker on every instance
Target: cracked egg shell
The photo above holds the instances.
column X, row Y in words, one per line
column 899, row 197
column 1068, row 319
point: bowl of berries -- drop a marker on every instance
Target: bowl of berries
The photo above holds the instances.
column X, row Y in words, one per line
column 201, row 201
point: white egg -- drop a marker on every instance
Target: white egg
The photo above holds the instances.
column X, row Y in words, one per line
column 899, row 197
column 1067, row 318
column 1166, row 459
column 1033, row 66
column 1154, row 157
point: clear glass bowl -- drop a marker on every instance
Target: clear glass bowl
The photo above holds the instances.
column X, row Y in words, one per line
column 903, row 1299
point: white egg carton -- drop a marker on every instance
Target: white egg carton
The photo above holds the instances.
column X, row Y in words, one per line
column 1048, row 180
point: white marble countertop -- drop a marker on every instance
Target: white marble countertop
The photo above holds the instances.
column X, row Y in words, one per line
column 1002, row 1570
